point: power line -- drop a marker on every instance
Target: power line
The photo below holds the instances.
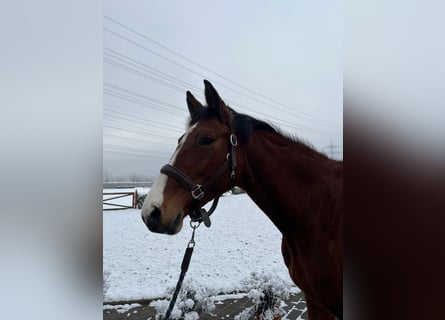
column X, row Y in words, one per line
column 288, row 123
column 132, row 128
column 132, row 118
column 141, row 74
column 133, row 148
column 292, row 125
column 149, row 142
column 304, row 116
column 310, row 117
column 140, row 95
column 143, row 132
column 131, row 99
column 125, row 122
column 142, row 103
column 124, row 58
column 137, row 154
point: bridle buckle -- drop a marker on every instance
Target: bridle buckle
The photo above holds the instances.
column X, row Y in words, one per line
column 233, row 140
column 197, row 192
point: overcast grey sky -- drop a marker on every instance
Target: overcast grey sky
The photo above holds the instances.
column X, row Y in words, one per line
column 277, row 61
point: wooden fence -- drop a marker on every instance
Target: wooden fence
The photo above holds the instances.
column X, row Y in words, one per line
column 119, row 195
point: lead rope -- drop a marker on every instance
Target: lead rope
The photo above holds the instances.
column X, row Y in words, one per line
column 184, row 267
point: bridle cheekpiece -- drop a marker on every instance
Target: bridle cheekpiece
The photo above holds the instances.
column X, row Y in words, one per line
column 197, row 190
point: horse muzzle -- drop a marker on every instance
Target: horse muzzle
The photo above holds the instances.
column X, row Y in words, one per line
column 154, row 222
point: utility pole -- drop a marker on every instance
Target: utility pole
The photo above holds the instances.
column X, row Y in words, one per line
column 331, row 148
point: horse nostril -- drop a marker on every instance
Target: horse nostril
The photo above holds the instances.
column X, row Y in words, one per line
column 153, row 219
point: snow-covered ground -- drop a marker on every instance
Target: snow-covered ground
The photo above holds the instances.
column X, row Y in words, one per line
column 139, row 264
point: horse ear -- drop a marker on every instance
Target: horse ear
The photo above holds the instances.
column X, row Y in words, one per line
column 193, row 104
column 214, row 101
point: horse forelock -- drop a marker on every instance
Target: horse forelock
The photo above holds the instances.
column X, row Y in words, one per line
column 203, row 113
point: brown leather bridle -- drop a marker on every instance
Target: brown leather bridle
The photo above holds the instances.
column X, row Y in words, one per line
column 197, row 190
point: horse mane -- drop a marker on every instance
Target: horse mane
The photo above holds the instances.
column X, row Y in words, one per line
column 245, row 125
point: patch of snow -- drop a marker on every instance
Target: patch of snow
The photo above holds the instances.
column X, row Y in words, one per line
column 140, row 264
column 142, row 191
column 223, row 297
column 191, row 316
column 121, row 308
column 295, row 290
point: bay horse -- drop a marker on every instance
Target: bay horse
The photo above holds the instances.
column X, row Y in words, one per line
column 298, row 188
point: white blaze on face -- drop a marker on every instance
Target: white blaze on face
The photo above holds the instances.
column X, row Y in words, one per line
column 155, row 197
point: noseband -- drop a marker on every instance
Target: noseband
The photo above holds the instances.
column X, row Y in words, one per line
column 197, row 190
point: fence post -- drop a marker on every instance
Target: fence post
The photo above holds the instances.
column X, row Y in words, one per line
column 135, row 198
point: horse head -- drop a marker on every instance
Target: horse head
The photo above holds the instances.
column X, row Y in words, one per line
column 201, row 168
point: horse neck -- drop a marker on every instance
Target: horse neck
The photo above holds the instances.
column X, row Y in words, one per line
column 278, row 173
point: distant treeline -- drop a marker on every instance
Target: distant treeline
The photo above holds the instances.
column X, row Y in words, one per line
column 109, row 177
column 127, row 184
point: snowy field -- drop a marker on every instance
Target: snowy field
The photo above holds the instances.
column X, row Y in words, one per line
column 139, row 264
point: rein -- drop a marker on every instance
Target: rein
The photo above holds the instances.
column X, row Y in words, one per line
column 184, row 267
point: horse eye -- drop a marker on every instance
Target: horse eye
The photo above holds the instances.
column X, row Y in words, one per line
column 206, row 141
